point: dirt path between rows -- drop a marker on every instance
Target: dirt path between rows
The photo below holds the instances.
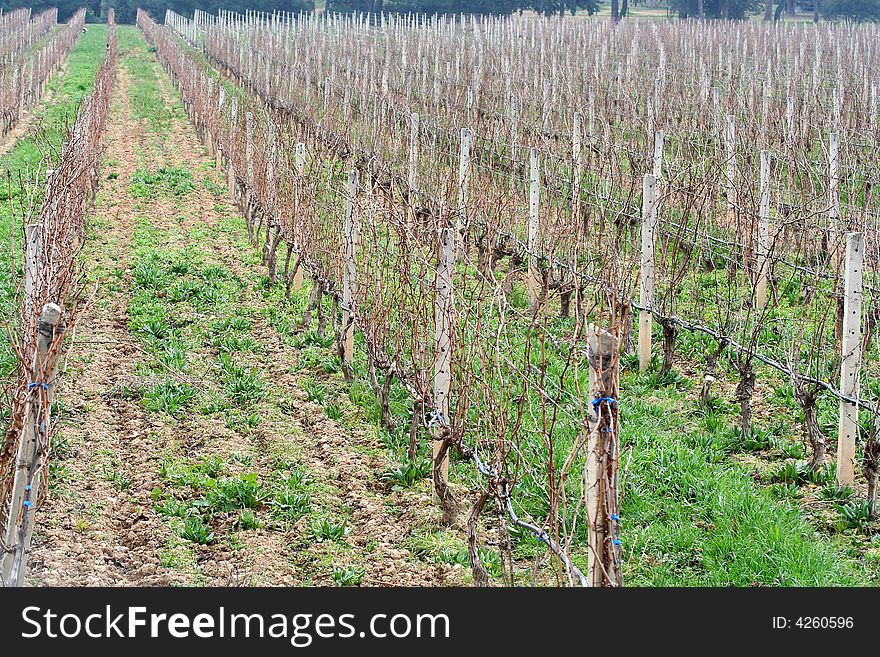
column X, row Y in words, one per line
column 94, row 531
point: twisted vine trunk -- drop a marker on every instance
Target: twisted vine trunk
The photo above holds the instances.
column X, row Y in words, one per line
column 444, row 494
column 481, row 577
column 807, row 397
column 871, row 469
column 709, row 375
column 745, row 390
column 670, row 331
column 418, row 418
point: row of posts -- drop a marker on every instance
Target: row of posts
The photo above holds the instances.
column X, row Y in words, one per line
column 449, row 237
column 33, row 445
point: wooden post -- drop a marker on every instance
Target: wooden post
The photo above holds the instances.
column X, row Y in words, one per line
column 33, row 268
column 272, row 146
column 545, row 106
column 300, row 163
column 730, row 183
column 872, row 111
column 591, row 114
column 218, row 150
column 464, row 172
column 514, row 135
column 249, row 148
column 233, row 129
column 349, row 280
column 412, row 179
column 658, row 154
column 533, row 277
column 603, row 555
column 851, row 356
column 649, row 228
column 577, row 130
column 763, row 233
column 443, row 304
column 32, row 451
column 833, row 177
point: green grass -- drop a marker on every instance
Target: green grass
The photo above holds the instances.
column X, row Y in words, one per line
column 692, row 519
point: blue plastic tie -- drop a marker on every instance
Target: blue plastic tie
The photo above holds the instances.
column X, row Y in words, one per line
column 610, row 400
column 616, row 541
column 38, row 384
column 27, row 504
column 614, row 516
column 27, row 487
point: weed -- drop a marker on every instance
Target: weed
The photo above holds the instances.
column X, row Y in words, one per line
column 406, row 475
column 195, row 530
column 835, row 492
column 315, row 392
column 119, row 478
column 243, row 385
column 327, row 530
column 172, row 507
column 170, row 396
column 291, row 504
column 169, row 181
column 230, row 493
column 348, row 576
column 248, row 520
column 855, row 514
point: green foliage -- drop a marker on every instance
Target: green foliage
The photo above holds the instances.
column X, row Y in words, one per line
column 348, row 576
column 732, row 9
column 856, row 10
column 231, row 493
column 291, row 504
column 855, row 514
column 173, row 182
column 243, row 385
column 333, row 411
column 328, row 530
column 248, row 520
column 502, row 7
column 407, row 474
column 195, row 530
column 126, row 10
column 172, row 507
column 170, row 396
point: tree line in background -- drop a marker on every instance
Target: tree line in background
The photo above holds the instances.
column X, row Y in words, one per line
column 126, row 10
column 857, row 10
column 544, row 7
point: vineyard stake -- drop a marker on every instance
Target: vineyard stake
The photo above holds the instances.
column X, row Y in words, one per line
column 464, row 172
column 649, row 227
column 233, row 115
column 658, row 154
column 763, row 232
column 349, row 281
column 851, row 355
column 534, row 279
column 300, row 163
column 834, row 177
column 730, row 183
column 443, row 348
column 603, row 556
column 221, row 100
column 32, row 450
column 412, row 179
column 577, row 130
